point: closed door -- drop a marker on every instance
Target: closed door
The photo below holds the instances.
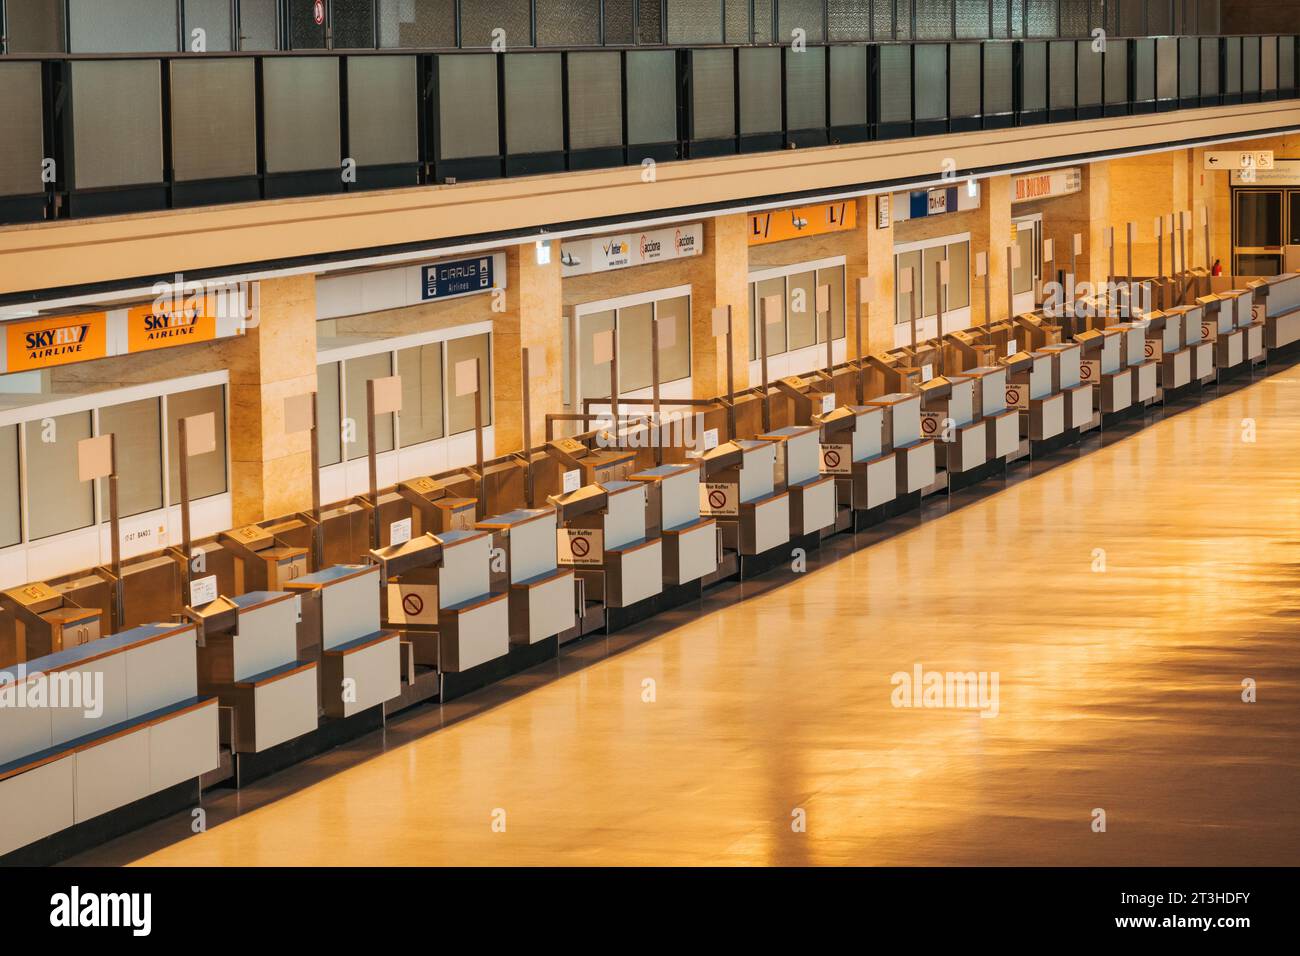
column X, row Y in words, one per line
column 1028, row 276
column 1259, row 225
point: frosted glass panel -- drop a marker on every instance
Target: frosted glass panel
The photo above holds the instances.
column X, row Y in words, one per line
column 694, row 21
column 304, row 32
column 56, row 500
column 998, row 78
column 1061, row 88
column 383, row 110
column 1033, row 91
column 420, row 419
column 805, row 75
column 123, row 26
column 301, row 107
column 973, row 18
column 803, row 15
column 1116, row 71
column 35, row 26
column 467, row 106
column 534, row 103
column 895, row 84
column 634, row 347
column 117, row 122
column 800, row 310
column 711, row 91
column 329, row 411
column 207, row 471
column 760, row 90
column 353, row 23
column 1040, row 18
column 1144, row 78
column 834, row 279
column 964, row 81
column 1250, row 64
column 257, row 30
column 478, row 18
column 1167, row 68
column 10, row 503
column 22, row 146
column 619, row 27
column 137, row 427
column 214, row 118
column 356, row 373
column 933, row 19
column 675, row 320
column 931, row 81
column 460, row 409
column 1090, row 65
column 568, row 22
column 651, row 97
column 417, row 24
column 1189, row 67
column 213, row 18
column 849, row 19
column 848, row 85
column 1209, row 67
column 595, row 100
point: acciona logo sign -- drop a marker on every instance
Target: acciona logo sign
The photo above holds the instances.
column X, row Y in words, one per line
column 75, row 909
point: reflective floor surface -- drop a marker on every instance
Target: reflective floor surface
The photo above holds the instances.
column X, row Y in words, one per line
column 1121, row 595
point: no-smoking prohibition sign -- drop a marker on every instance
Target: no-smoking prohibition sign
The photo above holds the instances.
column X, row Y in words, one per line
column 1013, row 396
column 581, row 547
column 832, row 459
column 717, row 499
column 413, row 604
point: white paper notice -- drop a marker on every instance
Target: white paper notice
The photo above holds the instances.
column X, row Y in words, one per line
column 572, row 480
column 399, row 532
column 203, row 591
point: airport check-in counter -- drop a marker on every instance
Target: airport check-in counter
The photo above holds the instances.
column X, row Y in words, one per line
column 806, row 398
column 541, row 594
column 267, row 565
column 396, row 516
column 967, row 349
column 852, row 449
column 1248, row 309
column 1001, row 424
column 1103, row 367
column 1034, row 330
column 8, row 639
column 360, row 663
column 1066, row 380
column 436, row 507
column 62, row 766
column 797, row 471
column 594, row 465
column 1133, row 356
column 1166, row 344
column 603, row 537
column 1194, row 339
column 739, row 489
column 948, row 417
column 43, row 622
column 1279, row 298
column 914, row 456
column 690, row 542
column 1041, row 407
column 248, row 659
column 1219, row 326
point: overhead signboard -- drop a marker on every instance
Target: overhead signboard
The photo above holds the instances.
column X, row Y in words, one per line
column 1283, row 172
column 935, row 202
column 1239, row 159
column 1047, row 185
column 157, row 326
column 607, row 253
column 778, row 225
column 444, row 280
column 47, row 343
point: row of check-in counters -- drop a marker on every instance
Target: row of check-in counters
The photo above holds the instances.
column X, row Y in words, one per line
column 309, row 633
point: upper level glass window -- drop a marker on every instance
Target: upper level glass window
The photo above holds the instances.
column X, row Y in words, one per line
column 123, row 26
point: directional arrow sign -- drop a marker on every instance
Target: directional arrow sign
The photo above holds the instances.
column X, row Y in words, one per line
column 1243, row 159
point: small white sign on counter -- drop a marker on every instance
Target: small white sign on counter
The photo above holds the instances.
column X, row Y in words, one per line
column 828, row 404
column 927, row 372
column 203, row 591
column 399, row 532
column 710, row 438
column 572, row 480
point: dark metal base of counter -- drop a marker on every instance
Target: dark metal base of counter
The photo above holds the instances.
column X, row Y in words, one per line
column 752, row 565
column 330, row 733
column 1045, row 446
column 524, row 656
column 459, row 683
column 107, row 826
column 617, row 618
column 964, row 479
column 678, row 594
column 902, row 504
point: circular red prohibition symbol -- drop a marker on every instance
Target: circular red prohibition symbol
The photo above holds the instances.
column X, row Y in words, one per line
column 581, row 547
column 832, row 459
column 1086, row 372
column 717, row 499
column 928, row 425
column 1013, row 397
column 318, row 12
column 413, row 604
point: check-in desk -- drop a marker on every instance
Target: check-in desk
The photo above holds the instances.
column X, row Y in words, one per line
column 395, row 515
column 967, row 349
column 266, row 564
column 1133, row 356
column 43, row 622
column 852, row 450
column 739, row 490
column 806, row 398
column 436, row 508
column 248, row 659
column 1034, row 330
column 1219, row 326
column 690, row 542
column 151, row 589
column 1280, row 297
column 1030, row 390
column 146, row 733
column 207, row 559
column 360, row 664
column 541, row 594
column 1067, row 370
column 798, row 473
column 1102, row 367
column 948, row 418
column 1196, row 341
column 8, row 639
column 603, row 537
column 1166, row 344
column 345, row 534
column 914, row 456
column 594, row 465
column 1001, row 424
column 891, row 374
column 1248, row 309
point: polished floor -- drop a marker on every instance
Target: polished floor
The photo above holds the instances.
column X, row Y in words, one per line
column 1121, row 595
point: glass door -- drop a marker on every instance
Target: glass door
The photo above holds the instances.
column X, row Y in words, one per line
column 1258, row 230
column 1027, row 279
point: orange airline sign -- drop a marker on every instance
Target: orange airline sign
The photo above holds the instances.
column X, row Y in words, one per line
column 781, row 224
column 45, row 343
column 154, row 327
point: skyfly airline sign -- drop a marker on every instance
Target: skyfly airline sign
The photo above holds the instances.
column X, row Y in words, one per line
column 46, row 343
column 149, row 327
